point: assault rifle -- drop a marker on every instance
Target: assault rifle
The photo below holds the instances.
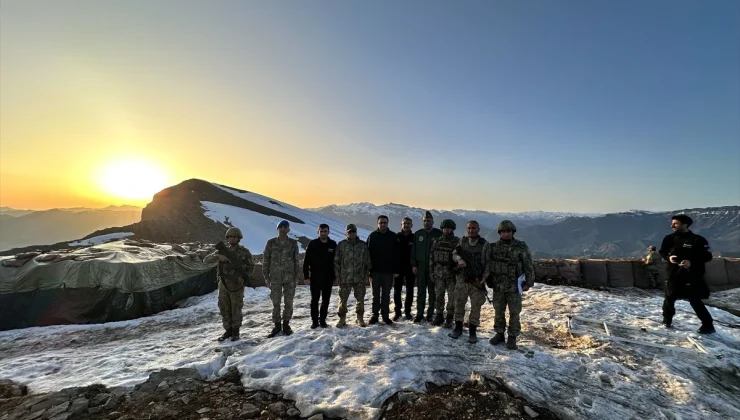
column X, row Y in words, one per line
column 234, row 259
column 471, row 277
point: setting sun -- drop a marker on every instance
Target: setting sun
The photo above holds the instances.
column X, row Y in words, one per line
column 135, row 179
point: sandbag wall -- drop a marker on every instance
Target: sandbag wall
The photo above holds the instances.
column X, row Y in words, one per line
column 721, row 273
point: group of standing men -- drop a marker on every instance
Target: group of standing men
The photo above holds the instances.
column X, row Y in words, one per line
column 440, row 263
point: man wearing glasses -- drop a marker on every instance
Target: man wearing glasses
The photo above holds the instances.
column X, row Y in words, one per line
column 352, row 269
column 230, row 285
column 383, row 247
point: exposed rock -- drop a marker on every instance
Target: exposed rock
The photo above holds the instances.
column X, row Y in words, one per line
column 114, row 415
column 185, row 400
column 250, row 411
column 79, row 406
column 56, row 410
column 36, row 415
column 530, row 412
column 293, row 412
column 99, row 399
column 203, row 410
column 277, row 408
column 9, row 389
column 318, row 416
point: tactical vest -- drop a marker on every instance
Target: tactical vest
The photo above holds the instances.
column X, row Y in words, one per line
column 474, row 263
column 443, row 250
column 227, row 275
column 503, row 264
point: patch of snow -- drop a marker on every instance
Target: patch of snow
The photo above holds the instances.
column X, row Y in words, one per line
column 97, row 240
column 257, row 228
column 351, row 371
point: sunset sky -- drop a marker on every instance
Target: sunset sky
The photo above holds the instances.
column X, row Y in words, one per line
column 493, row 105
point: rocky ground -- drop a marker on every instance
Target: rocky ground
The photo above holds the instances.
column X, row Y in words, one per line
column 181, row 394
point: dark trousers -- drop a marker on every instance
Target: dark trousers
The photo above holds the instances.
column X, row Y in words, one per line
column 700, row 310
column 382, row 283
column 401, row 280
column 323, row 290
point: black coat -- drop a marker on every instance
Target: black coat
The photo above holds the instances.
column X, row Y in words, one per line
column 383, row 249
column 405, row 244
column 685, row 283
column 318, row 265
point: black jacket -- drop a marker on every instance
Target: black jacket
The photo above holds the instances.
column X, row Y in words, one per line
column 383, row 249
column 318, row 264
column 685, row 283
column 405, row 243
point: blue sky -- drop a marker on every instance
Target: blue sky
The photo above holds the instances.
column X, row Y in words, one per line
column 503, row 106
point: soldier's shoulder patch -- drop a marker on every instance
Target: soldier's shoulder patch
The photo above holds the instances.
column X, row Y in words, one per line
column 421, row 239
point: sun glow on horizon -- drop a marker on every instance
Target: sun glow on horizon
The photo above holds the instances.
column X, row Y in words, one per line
column 133, row 179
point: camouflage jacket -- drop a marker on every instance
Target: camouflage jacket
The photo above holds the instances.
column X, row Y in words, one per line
column 506, row 261
column 352, row 262
column 652, row 261
column 226, row 272
column 473, row 254
column 440, row 255
column 280, row 263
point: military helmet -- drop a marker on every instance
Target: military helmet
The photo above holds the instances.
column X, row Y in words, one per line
column 506, row 225
column 234, row 231
column 447, row 223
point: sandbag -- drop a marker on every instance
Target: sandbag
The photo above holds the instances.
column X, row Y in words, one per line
column 545, row 268
column 716, row 275
column 732, row 266
column 640, row 275
column 571, row 270
column 620, row 273
column 595, row 272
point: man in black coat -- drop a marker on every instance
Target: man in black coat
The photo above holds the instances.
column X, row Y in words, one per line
column 318, row 272
column 406, row 275
column 686, row 253
column 382, row 245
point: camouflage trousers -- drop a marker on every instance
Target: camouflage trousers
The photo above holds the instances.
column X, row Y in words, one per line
column 500, row 301
column 277, row 293
column 345, row 289
column 463, row 291
column 444, row 282
column 230, row 305
column 653, row 277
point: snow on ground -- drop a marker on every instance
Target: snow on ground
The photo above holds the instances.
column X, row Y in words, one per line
column 97, row 240
column 351, row 371
column 257, row 228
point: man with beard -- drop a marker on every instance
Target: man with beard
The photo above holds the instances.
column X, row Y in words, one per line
column 470, row 282
column 318, row 272
column 686, row 253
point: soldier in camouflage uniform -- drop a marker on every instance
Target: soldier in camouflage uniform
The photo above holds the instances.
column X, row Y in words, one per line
column 470, row 282
column 442, row 269
column 282, row 271
column 505, row 260
column 352, row 269
column 230, row 285
column 652, row 265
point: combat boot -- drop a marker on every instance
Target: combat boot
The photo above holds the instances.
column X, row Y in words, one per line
column 341, row 321
column 497, row 339
column 511, row 343
column 234, row 333
column 398, row 317
column 438, row 319
column 472, row 329
column 448, row 321
column 418, row 319
column 373, row 319
column 323, row 324
column 430, row 317
column 706, row 329
column 286, row 328
column 225, row 335
column 408, row 316
column 457, row 332
column 314, row 324
column 275, row 331
column 361, row 320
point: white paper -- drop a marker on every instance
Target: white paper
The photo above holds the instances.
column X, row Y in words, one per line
column 520, row 282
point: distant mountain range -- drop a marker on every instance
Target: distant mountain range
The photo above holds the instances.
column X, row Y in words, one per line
column 20, row 228
column 365, row 214
column 200, row 211
column 568, row 235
